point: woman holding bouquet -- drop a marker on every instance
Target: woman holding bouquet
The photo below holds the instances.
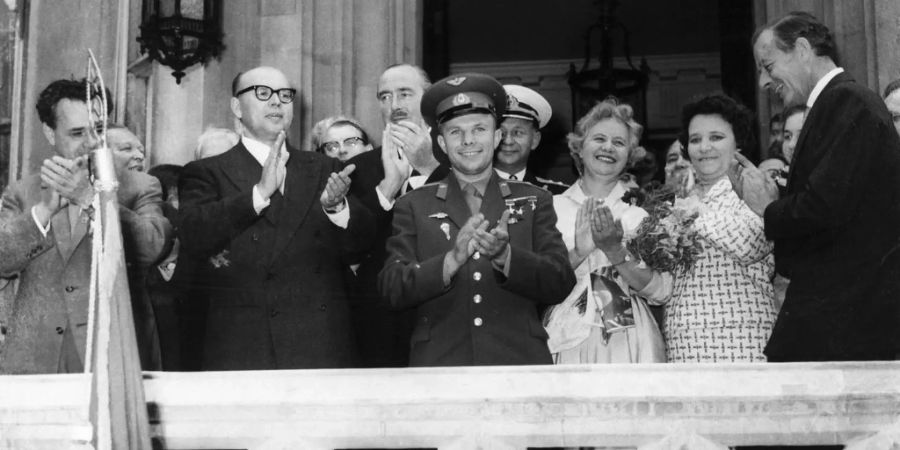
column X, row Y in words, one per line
column 722, row 307
column 602, row 320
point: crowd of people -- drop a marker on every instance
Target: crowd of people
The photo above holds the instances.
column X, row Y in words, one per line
column 442, row 247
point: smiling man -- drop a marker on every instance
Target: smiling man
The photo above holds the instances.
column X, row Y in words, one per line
column 526, row 113
column 271, row 225
column 127, row 150
column 474, row 254
column 45, row 240
column 837, row 228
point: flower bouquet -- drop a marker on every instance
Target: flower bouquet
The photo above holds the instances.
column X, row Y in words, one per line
column 666, row 240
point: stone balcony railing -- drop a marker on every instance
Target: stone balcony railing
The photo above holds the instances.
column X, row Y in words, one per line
column 645, row 406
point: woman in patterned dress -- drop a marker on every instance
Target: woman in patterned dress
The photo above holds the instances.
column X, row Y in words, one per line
column 594, row 222
column 722, row 309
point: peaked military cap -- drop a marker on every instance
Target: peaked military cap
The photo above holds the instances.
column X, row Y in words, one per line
column 465, row 93
column 525, row 103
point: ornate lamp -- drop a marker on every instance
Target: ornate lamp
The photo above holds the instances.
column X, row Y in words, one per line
column 591, row 85
column 181, row 33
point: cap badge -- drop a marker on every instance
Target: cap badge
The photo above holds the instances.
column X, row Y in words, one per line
column 461, row 99
column 512, row 101
column 456, row 81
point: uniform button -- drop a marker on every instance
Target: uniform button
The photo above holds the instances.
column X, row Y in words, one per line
column 273, row 313
column 477, row 276
column 478, row 321
column 255, row 237
column 323, row 307
column 59, row 330
column 476, row 256
column 70, row 288
column 477, row 298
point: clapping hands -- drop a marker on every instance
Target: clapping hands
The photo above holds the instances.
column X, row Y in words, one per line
column 273, row 170
column 474, row 236
column 336, row 189
column 595, row 227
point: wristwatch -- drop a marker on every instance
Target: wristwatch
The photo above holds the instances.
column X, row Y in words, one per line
column 626, row 257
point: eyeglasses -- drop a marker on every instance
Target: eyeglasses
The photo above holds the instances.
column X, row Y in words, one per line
column 333, row 146
column 264, row 93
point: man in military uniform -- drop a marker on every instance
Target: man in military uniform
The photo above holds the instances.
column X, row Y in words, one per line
column 526, row 113
column 474, row 254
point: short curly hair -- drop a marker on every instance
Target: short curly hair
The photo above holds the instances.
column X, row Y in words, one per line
column 60, row 89
column 609, row 108
column 737, row 115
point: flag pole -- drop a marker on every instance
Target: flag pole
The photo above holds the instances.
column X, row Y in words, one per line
column 118, row 410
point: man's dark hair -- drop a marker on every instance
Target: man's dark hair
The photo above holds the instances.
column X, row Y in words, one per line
column 737, row 115
column 801, row 24
column 776, row 118
column 60, row 89
column 795, row 109
column 891, row 87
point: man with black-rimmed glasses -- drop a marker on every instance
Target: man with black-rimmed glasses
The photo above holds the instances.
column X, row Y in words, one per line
column 271, row 224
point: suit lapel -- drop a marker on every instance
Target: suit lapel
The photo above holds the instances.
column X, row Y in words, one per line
column 809, row 123
column 300, row 193
column 242, row 169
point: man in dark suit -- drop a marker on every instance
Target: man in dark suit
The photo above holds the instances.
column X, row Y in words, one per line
column 837, row 229
column 474, row 254
column 45, row 239
column 405, row 161
column 526, row 113
column 270, row 224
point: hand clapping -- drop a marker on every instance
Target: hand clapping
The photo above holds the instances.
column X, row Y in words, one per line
column 494, row 243
column 336, row 189
column 273, row 170
column 606, row 231
column 70, row 179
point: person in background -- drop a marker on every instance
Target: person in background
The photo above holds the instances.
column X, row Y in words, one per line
column 340, row 137
column 526, row 113
column 595, row 223
column 794, row 116
column 679, row 172
column 473, row 254
column 776, row 131
column 127, row 150
column 892, row 101
column 215, row 141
